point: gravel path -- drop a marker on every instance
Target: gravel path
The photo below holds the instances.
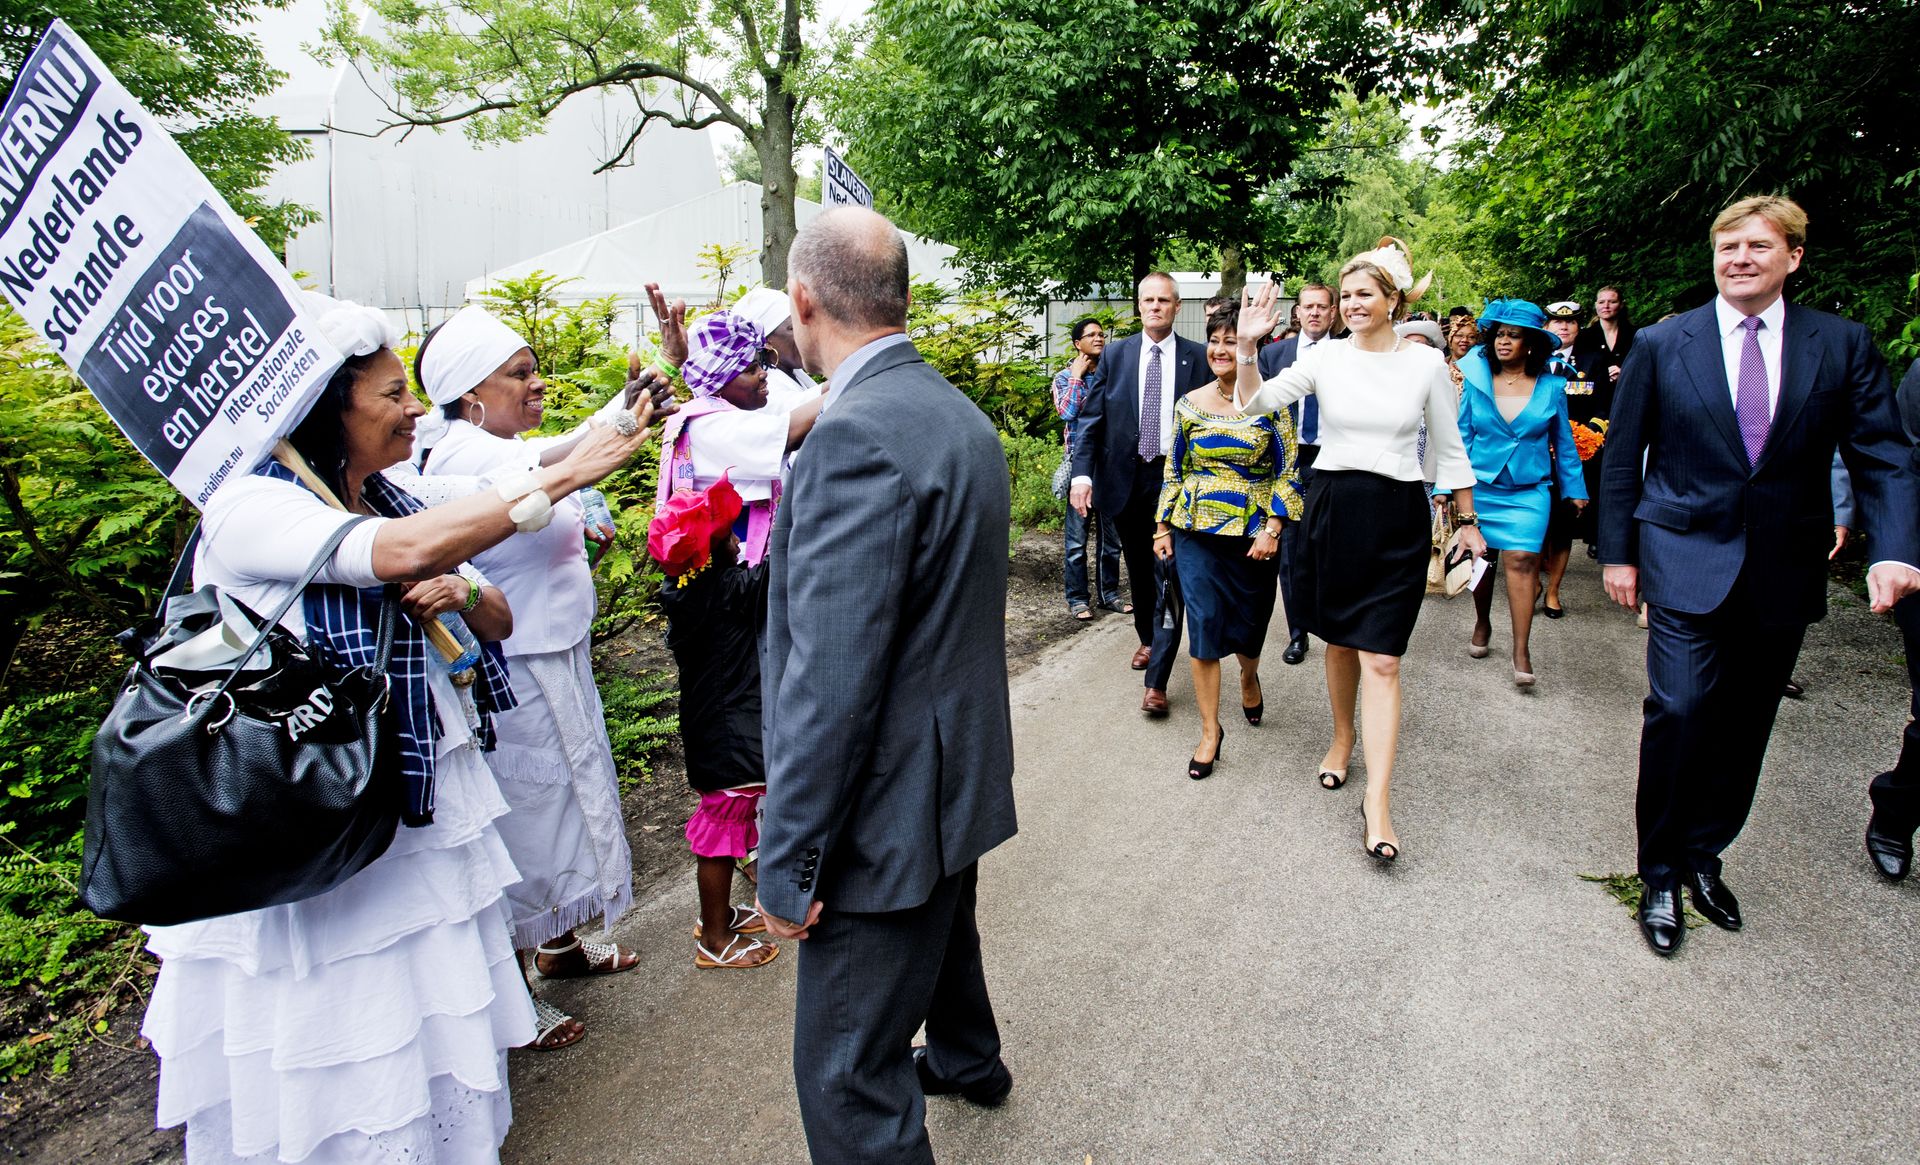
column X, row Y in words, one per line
column 1197, row 972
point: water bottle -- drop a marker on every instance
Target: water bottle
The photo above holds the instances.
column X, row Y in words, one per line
column 598, row 516
column 464, row 639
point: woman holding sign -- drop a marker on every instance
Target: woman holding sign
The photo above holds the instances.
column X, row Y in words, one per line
column 370, row 1022
column 566, row 832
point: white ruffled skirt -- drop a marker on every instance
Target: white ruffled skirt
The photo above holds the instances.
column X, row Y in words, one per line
column 369, row 1024
column 566, row 831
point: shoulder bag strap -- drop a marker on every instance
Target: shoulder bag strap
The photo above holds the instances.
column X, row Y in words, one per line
column 182, row 580
column 320, row 560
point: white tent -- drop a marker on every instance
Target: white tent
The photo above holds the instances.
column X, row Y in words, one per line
column 664, row 248
column 407, row 222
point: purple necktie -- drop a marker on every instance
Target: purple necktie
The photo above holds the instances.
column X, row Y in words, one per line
column 1750, row 395
column 1150, row 408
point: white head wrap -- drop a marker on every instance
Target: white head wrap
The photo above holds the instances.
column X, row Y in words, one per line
column 350, row 328
column 765, row 307
column 469, row 347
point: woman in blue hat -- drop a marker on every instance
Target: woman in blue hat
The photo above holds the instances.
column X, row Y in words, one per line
column 1513, row 420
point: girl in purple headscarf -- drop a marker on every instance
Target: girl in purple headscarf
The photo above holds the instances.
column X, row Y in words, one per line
column 729, row 428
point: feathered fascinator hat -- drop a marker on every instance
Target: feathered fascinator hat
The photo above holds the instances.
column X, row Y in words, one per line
column 680, row 537
column 1390, row 256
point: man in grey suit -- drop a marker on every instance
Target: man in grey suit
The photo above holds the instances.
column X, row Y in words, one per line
column 889, row 743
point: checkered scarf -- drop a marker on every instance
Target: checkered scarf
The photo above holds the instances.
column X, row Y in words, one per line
column 344, row 624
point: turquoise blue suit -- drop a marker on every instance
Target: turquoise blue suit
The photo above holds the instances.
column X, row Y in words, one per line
column 1517, row 463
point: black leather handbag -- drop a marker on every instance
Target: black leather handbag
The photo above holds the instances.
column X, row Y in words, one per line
column 241, row 787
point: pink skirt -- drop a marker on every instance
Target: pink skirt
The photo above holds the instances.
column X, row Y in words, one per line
column 724, row 825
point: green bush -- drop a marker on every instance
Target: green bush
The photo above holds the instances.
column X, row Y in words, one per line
column 62, row 969
column 634, row 723
column 1032, row 462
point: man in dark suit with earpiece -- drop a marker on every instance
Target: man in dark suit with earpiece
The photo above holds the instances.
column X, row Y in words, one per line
column 1120, row 455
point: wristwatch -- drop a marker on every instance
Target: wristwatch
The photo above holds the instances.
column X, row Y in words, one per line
column 1244, row 360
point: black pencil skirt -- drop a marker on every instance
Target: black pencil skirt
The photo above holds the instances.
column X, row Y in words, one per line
column 1360, row 567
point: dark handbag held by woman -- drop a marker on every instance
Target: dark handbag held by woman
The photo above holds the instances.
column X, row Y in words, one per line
column 218, row 789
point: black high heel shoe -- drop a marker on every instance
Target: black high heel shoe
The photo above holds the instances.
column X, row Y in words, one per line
column 1381, row 851
column 1200, row 770
column 1254, row 713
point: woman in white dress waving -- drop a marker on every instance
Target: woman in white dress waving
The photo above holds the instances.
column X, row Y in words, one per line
column 1359, row 565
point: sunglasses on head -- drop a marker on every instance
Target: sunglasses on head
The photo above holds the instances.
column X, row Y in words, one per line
column 767, row 358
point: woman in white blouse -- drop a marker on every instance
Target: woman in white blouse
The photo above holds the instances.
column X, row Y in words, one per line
column 1359, row 568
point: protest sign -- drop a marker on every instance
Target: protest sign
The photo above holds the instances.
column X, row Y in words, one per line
column 841, row 185
column 127, row 260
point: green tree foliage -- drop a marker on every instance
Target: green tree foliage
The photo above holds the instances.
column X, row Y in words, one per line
column 501, row 66
column 1385, row 185
column 1608, row 134
column 1065, row 144
column 194, row 65
column 981, row 343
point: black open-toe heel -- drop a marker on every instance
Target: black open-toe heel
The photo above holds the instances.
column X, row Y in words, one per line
column 1200, row 770
column 1254, row 713
column 1382, row 851
column 1331, row 779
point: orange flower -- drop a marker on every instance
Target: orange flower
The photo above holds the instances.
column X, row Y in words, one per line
column 1587, row 441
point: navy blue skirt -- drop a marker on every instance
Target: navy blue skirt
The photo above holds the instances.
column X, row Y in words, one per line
column 1360, row 567
column 1229, row 596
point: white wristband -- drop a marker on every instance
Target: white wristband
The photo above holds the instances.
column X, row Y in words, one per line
column 532, row 509
column 532, row 512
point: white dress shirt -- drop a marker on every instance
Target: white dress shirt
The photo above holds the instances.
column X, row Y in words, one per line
column 1169, row 376
column 1733, row 338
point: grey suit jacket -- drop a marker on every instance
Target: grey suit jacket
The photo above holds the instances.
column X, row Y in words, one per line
column 889, row 742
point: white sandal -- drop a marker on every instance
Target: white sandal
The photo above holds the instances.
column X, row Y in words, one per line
column 547, row 1019
column 602, row 959
column 731, row 959
column 745, row 920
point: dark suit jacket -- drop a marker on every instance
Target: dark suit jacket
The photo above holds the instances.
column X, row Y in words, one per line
column 889, row 743
column 1699, row 513
column 1590, row 389
column 1106, row 446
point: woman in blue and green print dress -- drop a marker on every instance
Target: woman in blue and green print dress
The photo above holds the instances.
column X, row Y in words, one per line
column 1232, row 485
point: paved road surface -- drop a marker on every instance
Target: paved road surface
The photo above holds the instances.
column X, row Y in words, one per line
column 1215, row 972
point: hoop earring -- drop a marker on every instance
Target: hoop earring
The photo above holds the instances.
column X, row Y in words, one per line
column 482, row 422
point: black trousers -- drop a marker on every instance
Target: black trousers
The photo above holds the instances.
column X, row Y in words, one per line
column 1714, row 686
column 866, row 983
column 1896, row 792
column 1306, row 455
column 1158, row 613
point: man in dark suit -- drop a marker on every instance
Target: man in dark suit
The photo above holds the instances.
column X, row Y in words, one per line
column 1119, row 454
column 1896, row 792
column 1737, row 407
column 1314, row 308
column 889, row 743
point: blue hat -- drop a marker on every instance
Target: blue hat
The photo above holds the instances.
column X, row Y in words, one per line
column 1517, row 313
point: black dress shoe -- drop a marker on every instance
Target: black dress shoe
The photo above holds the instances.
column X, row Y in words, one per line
column 1296, row 651
column 1659, row 918
column 1793, row 691
column 1714, row 901
column 1891, row 850
column 988, row 1093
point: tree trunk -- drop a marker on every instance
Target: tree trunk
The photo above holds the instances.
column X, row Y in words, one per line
column 1233, row 271
column 773, row 142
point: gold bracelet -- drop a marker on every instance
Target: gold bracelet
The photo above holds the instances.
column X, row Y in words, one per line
column 1163, row 534
column 1466, row 519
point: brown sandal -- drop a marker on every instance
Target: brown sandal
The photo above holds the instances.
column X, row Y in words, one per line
column 745, row 958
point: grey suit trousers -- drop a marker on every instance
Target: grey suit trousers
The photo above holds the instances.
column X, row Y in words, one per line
column 866, row 983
